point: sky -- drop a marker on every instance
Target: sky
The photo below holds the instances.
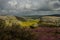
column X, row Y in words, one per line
column 29, row 7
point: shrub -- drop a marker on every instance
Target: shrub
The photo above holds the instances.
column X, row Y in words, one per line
column 16, row 33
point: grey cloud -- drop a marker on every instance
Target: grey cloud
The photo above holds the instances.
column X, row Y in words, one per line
column 22, row 4
column 29, row 7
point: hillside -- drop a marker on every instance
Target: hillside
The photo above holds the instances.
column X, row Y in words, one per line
column 24, row 21
column 50, row 20
column 46, row 20
column 10, row 28
column 10, row 21
column 20, row 18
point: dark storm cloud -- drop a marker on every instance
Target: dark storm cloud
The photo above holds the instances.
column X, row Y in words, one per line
column 54, row 5
column 29, row 7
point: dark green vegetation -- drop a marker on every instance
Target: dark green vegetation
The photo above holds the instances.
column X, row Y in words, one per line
column 48, row 28
column 16, row 33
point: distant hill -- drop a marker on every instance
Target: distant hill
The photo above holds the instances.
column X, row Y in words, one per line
column 20, row 18
column 39, row 16
column 33, row 16
column 58, row 15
